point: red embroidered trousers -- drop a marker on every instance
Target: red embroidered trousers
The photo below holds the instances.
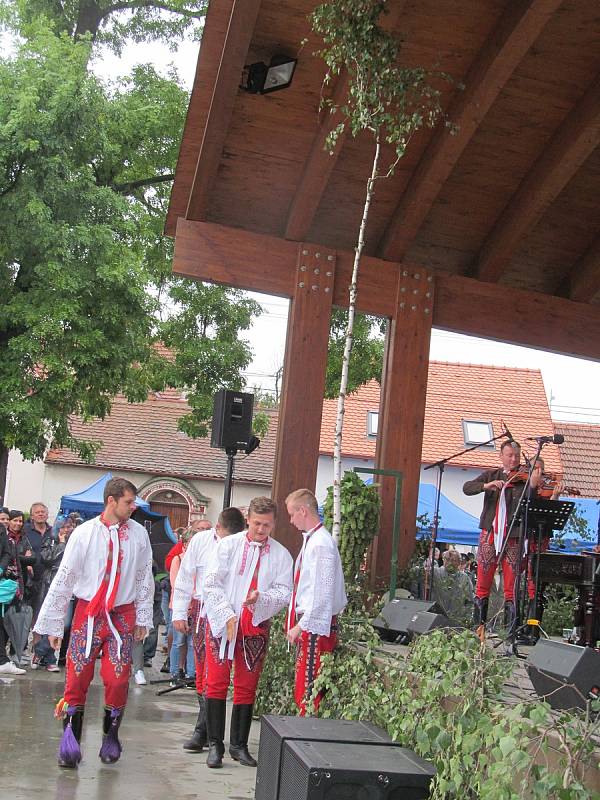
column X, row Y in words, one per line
column 197, row 625
column 248, row 661
column 114, row 672
column 487, row 561
column 309, row 648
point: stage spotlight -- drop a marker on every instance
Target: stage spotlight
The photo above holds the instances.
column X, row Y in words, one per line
column 263, row 79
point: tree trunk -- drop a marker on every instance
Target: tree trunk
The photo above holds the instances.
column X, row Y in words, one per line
column 339, row 423
column 88, row 20
column 3, row 471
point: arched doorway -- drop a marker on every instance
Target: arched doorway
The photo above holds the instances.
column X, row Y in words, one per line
column 173, row 505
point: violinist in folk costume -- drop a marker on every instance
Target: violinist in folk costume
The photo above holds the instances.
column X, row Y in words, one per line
column 188, row 605
column 107, row 565
column 248, row 581
column 318, row 596
column 502, row 489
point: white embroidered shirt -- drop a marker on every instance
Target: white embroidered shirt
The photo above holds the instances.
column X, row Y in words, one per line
column 222, row 581
column 321, row 592
column 190, row 577
column 82, row 570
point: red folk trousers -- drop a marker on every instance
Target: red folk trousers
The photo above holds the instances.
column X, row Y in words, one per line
column 487, row 561
column 248, row 661
column 114, row 672
column 198, row 627
column 308, row 663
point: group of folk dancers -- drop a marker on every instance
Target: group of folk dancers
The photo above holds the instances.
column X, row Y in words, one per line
column 233, row 579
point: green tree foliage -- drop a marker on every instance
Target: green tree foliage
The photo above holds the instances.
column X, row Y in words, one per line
column 366, row 361
column 86, row 169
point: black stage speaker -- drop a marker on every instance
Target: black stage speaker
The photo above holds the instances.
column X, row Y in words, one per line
column 276, row 730
column 425, row 621
column 232, row 420
column 394, row 619
column 555, row 668
column 334, row 771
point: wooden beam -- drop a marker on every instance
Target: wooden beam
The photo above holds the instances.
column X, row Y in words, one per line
column 317, row 171
column 226, row 86
column 573, row 142
column 584, row 283
column 401, row 417
column 304, row 369
column 505, row 47
column 213, row 37
column 261, row 263
column 554, row 324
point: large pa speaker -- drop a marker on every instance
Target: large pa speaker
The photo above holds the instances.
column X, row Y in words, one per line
column 335, row 771
column 276, row 730
column 565, row 675
column 426, row 621
column 232, row 420
column 394, row 619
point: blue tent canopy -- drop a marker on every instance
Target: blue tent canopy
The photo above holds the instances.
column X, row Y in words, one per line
column 90, row 501
column 456, row 525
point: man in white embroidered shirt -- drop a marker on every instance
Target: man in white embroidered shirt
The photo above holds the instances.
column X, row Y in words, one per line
column 248, row 580
column 188, row 605
column 107, row 565
column 318, row 596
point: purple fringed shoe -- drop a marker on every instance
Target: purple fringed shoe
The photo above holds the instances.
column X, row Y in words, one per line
column 69, row 751
column 111, row 746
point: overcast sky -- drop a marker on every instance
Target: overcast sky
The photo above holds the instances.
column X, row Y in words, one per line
column 572, row 385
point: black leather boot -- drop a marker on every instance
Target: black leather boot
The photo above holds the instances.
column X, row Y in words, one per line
column 480, row 611
column 510, row 621
column 69, row 753
column 215, row 728
column 241, row 719
column 199, row 738
column 111, row 749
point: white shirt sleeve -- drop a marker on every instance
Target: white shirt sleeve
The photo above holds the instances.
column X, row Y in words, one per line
column 277, row 596
column 319, row 610
column 51, row 619
column 185, row 583
column 216, row 603
column 144, row 586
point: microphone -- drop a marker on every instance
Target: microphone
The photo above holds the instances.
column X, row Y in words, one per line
column 558, row 438
column 506, row 431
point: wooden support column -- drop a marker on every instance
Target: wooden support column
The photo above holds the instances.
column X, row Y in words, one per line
column 304, row 369
column 402, row 414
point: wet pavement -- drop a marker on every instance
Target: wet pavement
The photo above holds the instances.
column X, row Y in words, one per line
column 153, row 765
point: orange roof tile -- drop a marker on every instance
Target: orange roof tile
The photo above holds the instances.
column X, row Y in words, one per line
column 143, row 437
column 456, row 392
column 580, row 455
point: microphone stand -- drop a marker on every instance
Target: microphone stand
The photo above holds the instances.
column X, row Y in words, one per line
column 441, row 464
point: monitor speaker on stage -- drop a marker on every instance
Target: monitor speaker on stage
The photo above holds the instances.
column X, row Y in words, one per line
column 232, row 420
column 336, row 771
column 565, row 675
column 395, row 617
column 426, row 621
column 276, row 730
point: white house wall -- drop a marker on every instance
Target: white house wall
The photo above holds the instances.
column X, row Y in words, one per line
column 31, row 482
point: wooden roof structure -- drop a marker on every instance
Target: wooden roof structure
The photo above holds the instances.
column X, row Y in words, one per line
column 494, row 231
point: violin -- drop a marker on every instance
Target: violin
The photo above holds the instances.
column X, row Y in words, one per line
column 549, row 482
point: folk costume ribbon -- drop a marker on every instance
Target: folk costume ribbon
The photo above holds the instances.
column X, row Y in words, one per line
column 104, row 599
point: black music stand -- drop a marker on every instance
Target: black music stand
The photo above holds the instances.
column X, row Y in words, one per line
column 544, row 516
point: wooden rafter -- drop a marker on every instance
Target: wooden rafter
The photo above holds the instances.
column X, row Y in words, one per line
column 584, row 282
column 233, row 58
column 216, row 253
column 321, row 162
column 518, row 28
column 576, row 138
column 317, row 171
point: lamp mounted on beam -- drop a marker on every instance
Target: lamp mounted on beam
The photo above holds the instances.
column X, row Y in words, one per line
column 263, row 79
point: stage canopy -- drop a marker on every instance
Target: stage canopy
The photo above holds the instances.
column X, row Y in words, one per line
column 90, row 501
